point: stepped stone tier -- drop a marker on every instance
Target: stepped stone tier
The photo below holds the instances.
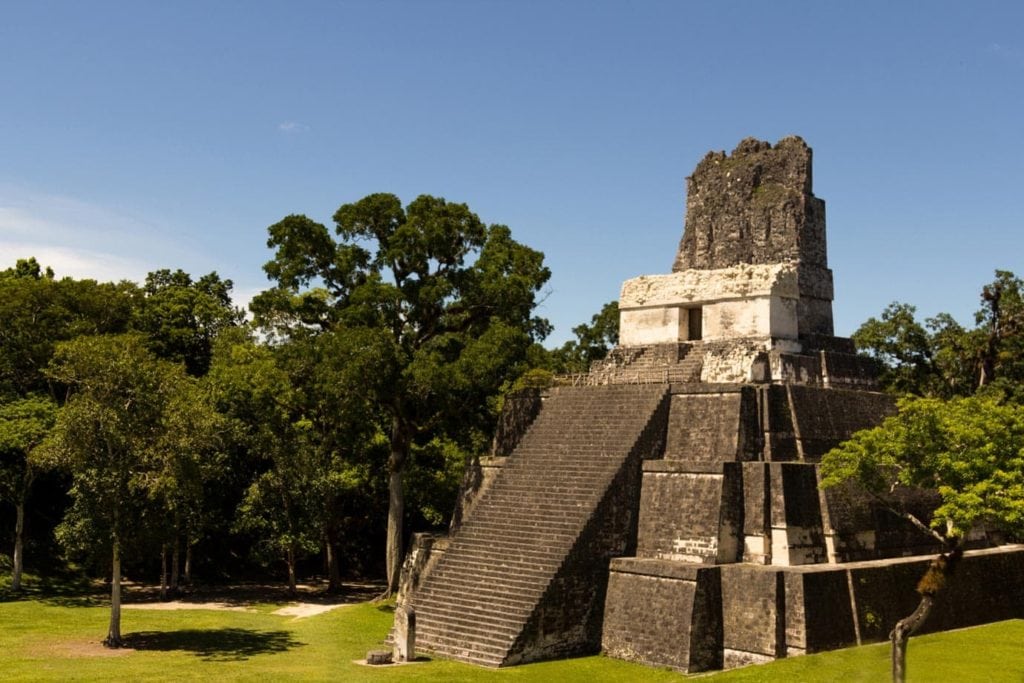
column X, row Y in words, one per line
column 667, row 509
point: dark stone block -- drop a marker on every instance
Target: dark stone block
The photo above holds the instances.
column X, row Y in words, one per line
column 823, row 601
column 518, row 412
column 753, row 610
column 704, row 427
column 680, row 516
column 665, row 619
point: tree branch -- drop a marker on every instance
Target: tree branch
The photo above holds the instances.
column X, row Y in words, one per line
column 917, row 523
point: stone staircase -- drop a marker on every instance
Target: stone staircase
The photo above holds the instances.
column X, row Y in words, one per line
column 524, row 577
column 669, row 363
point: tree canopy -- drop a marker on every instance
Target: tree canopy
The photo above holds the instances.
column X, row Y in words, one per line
column 941, row 357
column 181, row 317
column 127, row 431
column 443, row 305
column 968, row 449
column 24, row 424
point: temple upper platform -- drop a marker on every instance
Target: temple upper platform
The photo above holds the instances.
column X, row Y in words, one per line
column 750, row 280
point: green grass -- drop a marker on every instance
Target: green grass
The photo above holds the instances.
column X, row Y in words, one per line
column 54, row 635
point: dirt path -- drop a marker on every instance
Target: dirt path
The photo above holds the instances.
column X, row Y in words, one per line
column 179, row 604
column 312, row 599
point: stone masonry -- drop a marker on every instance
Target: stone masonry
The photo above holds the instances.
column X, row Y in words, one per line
column 667, row 509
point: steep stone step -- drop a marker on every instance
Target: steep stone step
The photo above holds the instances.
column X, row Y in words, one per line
column 496, row 631
column 463, row 651
column 485, row 550
column 515, row 605
column 481, row 582
column 485, row 588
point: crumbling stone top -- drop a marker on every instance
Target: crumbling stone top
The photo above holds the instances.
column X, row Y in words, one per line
column 753, row 206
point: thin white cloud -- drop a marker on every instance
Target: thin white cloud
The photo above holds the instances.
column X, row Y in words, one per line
column 292, row 127
column 80, row 239
column 78, row 263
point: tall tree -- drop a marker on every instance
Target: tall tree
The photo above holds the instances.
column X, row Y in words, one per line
column 114, row 435
column 329, row 372
column 24, row 423
column 38, row 311
column 903, row 347
column 182, row 317
column 1001, row 325
column 446, row 303
column 942, row 358
column 27, row 269
column 970, row 450
column 266, row 415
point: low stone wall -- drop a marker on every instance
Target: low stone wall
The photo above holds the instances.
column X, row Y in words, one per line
column 823, row 607
column 425, row 550
column 695, row 617
column 664, row 614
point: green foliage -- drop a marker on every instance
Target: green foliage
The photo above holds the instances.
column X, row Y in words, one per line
column 971, row 450
column 265, row 419
column 434, row 306
column 942, row 358
column 24, row 424
column 534, row 378
column 902, row 345
column 131, row 428
column 39, row 312
column 182, row 317
column 27, row 269
column 592, row 343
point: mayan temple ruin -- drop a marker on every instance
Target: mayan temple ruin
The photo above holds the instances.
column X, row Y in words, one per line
column 666, row 507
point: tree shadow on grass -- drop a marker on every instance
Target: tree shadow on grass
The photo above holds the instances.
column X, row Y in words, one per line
column 61, row 590
column 215, row 644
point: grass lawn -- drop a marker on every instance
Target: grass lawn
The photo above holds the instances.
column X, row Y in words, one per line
column 55, row 634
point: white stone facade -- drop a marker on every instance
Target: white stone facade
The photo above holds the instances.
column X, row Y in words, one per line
column 741, row 302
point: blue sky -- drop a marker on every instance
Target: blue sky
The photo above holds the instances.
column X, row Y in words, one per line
column 139, row 135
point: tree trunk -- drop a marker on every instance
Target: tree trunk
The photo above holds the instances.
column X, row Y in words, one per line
column 396, row 502
column 114, row 633
column 901, row 633
column 163, row 571
column 290, row 559
column 175, row 562
column 333, row 566
column 931, row 584
column 188, row 564
column 18, row 559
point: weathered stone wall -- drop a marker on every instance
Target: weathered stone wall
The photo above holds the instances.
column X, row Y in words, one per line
column 826, row 417
column 753, row 206
column 753, row 615
column 679, row 513
column 517, row 414
column 743, row 301
column 797, row 534
column 857, row 527
column 664, row 614
column 479, row 475
column 803, row 422
column 707, row 429
column 769, row 612
column 425, row 549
